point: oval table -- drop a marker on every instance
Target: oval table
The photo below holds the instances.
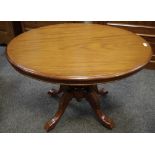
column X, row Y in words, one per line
column 78, row 57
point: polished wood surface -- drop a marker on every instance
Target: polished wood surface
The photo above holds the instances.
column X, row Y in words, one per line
column 64, row 101
column 90, row 93
column 78, row 53
column 145, row 29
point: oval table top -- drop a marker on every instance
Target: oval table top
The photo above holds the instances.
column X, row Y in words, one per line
column 78, row 53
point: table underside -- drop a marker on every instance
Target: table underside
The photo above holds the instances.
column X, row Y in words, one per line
column 90, row 92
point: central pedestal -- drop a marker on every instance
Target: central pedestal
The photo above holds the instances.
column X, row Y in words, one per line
column 90, row 92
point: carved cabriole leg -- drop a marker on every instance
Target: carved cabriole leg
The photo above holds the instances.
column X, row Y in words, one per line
column 90, row 93
column 64, row 101
column 93, row 99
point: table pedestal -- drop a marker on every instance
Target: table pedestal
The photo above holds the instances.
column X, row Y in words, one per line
column 90, row 93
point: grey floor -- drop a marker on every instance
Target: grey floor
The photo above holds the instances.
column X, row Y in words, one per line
column 25, row 105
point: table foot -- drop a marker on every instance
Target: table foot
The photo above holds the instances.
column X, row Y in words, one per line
column 64, row 101
column 90, row 93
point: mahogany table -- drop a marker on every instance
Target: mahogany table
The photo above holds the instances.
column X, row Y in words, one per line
column 78, row 57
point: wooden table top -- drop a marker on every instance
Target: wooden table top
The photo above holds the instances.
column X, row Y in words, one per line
column 78, row 53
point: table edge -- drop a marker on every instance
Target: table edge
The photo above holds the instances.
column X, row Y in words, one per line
column 73, row 80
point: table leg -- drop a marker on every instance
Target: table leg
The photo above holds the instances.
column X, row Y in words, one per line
column 90, row 93
column 64, row 101
column 93, row 99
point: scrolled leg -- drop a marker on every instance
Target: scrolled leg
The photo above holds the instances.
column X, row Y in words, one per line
column 90, row 93
column 93, row 99
column 64, row 101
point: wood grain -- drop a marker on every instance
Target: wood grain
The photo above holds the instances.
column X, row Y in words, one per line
column 78, row 53
column 145, row 29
